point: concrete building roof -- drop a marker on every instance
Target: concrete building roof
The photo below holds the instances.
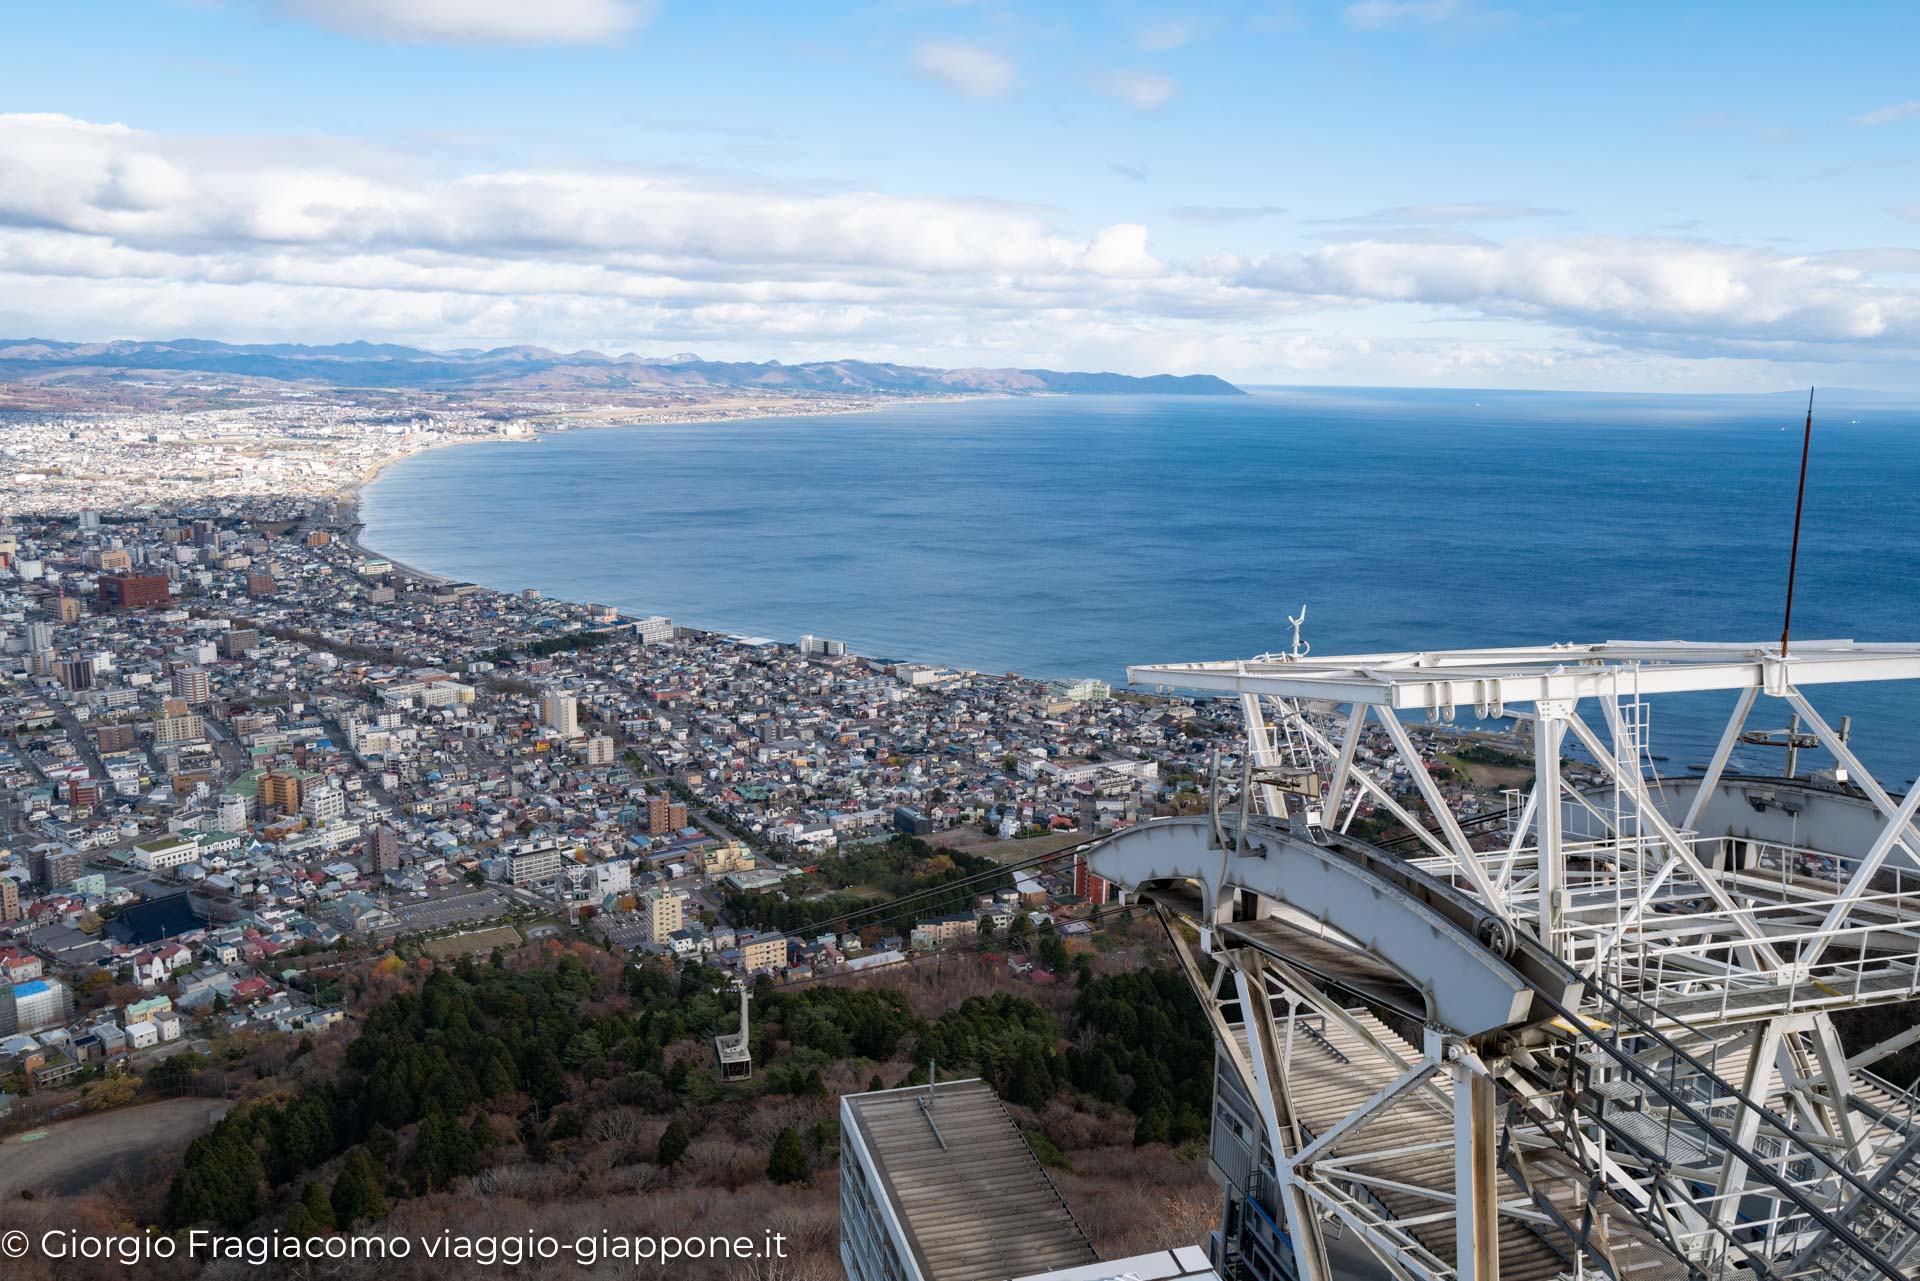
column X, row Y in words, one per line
column 975, row 1204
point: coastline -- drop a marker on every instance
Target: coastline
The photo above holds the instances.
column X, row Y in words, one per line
column 345, row 499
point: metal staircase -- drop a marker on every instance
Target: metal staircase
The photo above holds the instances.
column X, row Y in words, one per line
column 1885, row 1230
column 1608, row 1047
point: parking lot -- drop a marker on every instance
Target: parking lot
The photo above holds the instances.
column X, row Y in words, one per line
column 457, row 909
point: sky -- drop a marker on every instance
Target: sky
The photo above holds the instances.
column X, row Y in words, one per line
column 1636, row 196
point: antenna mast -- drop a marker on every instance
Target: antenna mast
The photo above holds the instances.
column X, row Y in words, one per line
column 1799, row 504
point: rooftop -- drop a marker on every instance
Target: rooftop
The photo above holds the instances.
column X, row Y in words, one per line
column 974, row 1203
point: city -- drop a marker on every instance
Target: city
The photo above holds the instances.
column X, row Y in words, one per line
column 1250, row 640
column 238, row 723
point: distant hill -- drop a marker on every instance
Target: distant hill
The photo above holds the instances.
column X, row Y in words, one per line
column 385, row 365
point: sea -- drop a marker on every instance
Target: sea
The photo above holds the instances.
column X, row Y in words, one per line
column 1073, row 536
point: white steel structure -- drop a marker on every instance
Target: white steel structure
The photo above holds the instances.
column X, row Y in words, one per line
column 1596, row 1040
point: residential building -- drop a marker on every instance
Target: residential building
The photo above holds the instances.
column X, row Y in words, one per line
column 664, row 816
column 763, row 952
column 30, row 1006
column 1085, row 690
column 560, row 713
column 383, row 849
column 164, row 852
column 533, row 862
column 282, row 792
column 192, row 685
column 663, row 911
column 324, row 804
column 134, row 591
column 181, row 727
column 1088, row 886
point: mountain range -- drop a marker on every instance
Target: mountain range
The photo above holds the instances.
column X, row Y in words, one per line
column 386, row 365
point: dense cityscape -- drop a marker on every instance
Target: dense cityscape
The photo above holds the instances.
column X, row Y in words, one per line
column 234, row 736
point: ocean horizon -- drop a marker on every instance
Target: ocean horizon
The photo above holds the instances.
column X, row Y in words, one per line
column 1072, row 536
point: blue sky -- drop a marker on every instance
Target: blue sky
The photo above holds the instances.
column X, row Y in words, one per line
column 1382, row 192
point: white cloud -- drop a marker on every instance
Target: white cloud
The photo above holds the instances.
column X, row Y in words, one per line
column 1372, row 15
column 1141, row 90
column 1637, row 291
column 965, row 68
column 106, row 231
column 1162, row 37
column 506, row 22
column 1889, row 115
column 1460, row 211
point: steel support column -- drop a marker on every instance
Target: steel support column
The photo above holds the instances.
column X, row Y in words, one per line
column 1476, row 1189
column 1276, row 1112
column 1549, row 726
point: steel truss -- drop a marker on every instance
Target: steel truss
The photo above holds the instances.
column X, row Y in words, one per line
column 1658, row 1089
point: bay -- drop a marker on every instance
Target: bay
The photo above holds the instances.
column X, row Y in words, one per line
column 1071, row 536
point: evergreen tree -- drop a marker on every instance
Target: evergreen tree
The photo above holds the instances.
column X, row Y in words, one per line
column 220, row 1179
column 1152, row 1127
column 356, row 1192
column 481, row 1135
column 673, row 1144
column 788, row 1161
column 319, row 1208
column 299, row 1223
column 311, row 1215
column 548, row 1082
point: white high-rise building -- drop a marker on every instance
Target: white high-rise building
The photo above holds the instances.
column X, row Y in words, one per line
column 821, row 647
column 192, row 684
column 326, row 804
column 654, row 629
column 561, row 713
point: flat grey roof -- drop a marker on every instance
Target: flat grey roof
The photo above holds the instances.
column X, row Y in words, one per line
column 978, row 1209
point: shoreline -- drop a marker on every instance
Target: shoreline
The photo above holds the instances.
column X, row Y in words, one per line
column 346, row 498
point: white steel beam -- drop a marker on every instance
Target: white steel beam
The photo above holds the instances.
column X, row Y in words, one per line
column 1831, row 1061
column 1260, row 745
column 1353, row 1120
column 1276, row 1112
column 1892, row 1045
column 1531, row 675
column 1858, row 773
column 1862, row 878
column 1520, row 829
column 1548, row 726
column 1762, row 1068
column 1636, row 788
column 1742, row 707
column 1461, row 852
column 1380, row 794
column 1343, row 766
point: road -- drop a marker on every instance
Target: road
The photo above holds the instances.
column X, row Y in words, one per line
column 77, row 1155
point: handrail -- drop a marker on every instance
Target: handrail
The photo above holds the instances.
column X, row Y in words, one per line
column 1756, row 1166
